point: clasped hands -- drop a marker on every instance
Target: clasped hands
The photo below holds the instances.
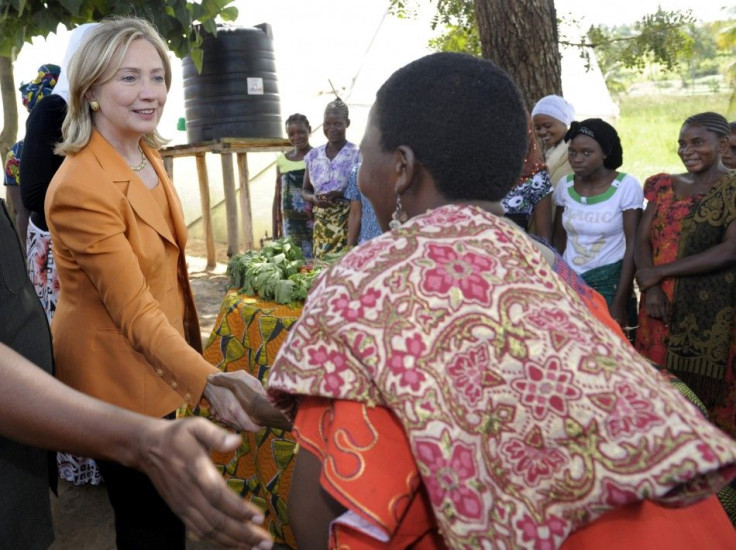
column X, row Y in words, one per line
column 328, row 199
column 239, row 401
column 656, row 303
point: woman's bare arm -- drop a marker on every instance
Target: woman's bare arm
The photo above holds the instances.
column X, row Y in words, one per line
column 717, row 257
column 39, row 410
column 559, row 237
column 543, row 218
column 311, row 508
column 276, row 210
column 626, row 278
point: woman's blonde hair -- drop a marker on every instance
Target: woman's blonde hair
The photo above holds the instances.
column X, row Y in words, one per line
column 95, row 62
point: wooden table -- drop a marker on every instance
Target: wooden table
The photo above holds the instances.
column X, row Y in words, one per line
column 225, row 147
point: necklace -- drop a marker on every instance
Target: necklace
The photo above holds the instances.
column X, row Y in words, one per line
column 142, row 165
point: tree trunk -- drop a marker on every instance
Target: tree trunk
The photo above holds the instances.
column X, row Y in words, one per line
column 9, row 133
column 521, row 37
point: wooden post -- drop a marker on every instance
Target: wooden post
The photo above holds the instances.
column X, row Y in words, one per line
column 231, row 204
column 226, row 147
column 204, row 194
column 245, row 201
column 169, row 167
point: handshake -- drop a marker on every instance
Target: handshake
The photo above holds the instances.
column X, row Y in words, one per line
column 239, row 401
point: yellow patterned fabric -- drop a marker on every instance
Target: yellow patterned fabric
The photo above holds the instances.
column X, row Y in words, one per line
column 247, row 335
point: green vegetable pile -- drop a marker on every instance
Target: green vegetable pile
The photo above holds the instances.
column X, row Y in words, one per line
column 278, row 272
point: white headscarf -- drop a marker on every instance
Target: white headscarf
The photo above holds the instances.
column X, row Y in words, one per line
column 75, row 39
column 551, row 105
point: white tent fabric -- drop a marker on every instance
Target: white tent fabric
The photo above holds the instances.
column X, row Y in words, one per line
column 583, row 84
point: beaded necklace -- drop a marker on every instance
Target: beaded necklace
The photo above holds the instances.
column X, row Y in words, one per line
column 142, row 165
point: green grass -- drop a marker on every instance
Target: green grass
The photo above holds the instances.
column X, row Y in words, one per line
column 650, row 125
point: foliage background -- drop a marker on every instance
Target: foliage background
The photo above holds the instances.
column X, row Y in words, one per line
column 660, row 69
column 649, row 126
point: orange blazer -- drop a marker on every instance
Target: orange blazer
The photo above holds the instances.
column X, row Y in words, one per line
column 125, row 328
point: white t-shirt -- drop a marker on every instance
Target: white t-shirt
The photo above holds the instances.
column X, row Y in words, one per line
column 595, row 225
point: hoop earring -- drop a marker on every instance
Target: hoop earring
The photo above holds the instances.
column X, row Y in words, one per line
column 94, row 105
column 399, row 216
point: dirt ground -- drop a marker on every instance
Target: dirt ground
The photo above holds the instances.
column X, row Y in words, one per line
column 83, row 517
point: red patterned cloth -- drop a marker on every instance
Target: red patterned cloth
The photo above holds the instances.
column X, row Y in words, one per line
column 665, row 236
column 368, row 467
column 524, row 413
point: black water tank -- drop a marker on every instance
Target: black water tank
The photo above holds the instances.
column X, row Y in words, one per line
column 236, row 94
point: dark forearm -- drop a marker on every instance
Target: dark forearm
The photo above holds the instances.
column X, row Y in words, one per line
column 626, row 278
column 307, row 188
column 559, row 238
column 39, row 410
column 643, row 254
column 631, row 220
column 643, row 247
column 542, row 221
column 311, row 508
column 276, row 210
column 308, row 196
column 354, row 218
column 714, row 259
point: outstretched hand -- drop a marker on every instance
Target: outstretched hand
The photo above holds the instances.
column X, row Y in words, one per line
column 175, row 455
column 252, row 397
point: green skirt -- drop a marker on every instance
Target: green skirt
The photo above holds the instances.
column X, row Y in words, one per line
column 604, row 280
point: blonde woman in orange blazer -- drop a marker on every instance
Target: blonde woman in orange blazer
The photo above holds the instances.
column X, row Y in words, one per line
column 126, row 328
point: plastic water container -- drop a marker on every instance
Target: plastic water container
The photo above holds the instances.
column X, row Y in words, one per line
column 236, row 95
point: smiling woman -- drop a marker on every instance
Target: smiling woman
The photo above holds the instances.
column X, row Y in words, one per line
column 686, row 269
column 326, row 179
column 119, row 236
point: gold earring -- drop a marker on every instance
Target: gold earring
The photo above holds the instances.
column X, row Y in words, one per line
column 94, row 105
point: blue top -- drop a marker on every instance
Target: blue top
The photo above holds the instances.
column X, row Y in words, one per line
column 369, row 227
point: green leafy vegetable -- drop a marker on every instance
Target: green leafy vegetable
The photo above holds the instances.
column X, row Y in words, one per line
column 278, row 272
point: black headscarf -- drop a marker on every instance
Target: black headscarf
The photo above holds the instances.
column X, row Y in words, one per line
column 604, row 134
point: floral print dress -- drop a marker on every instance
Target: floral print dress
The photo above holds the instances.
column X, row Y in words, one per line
column 331, row 224
column 526, row 417
column 520, row 202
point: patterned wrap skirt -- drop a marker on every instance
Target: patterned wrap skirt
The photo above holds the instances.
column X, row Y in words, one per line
column 42, row 272
column 296, row 212
column 330, row 229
